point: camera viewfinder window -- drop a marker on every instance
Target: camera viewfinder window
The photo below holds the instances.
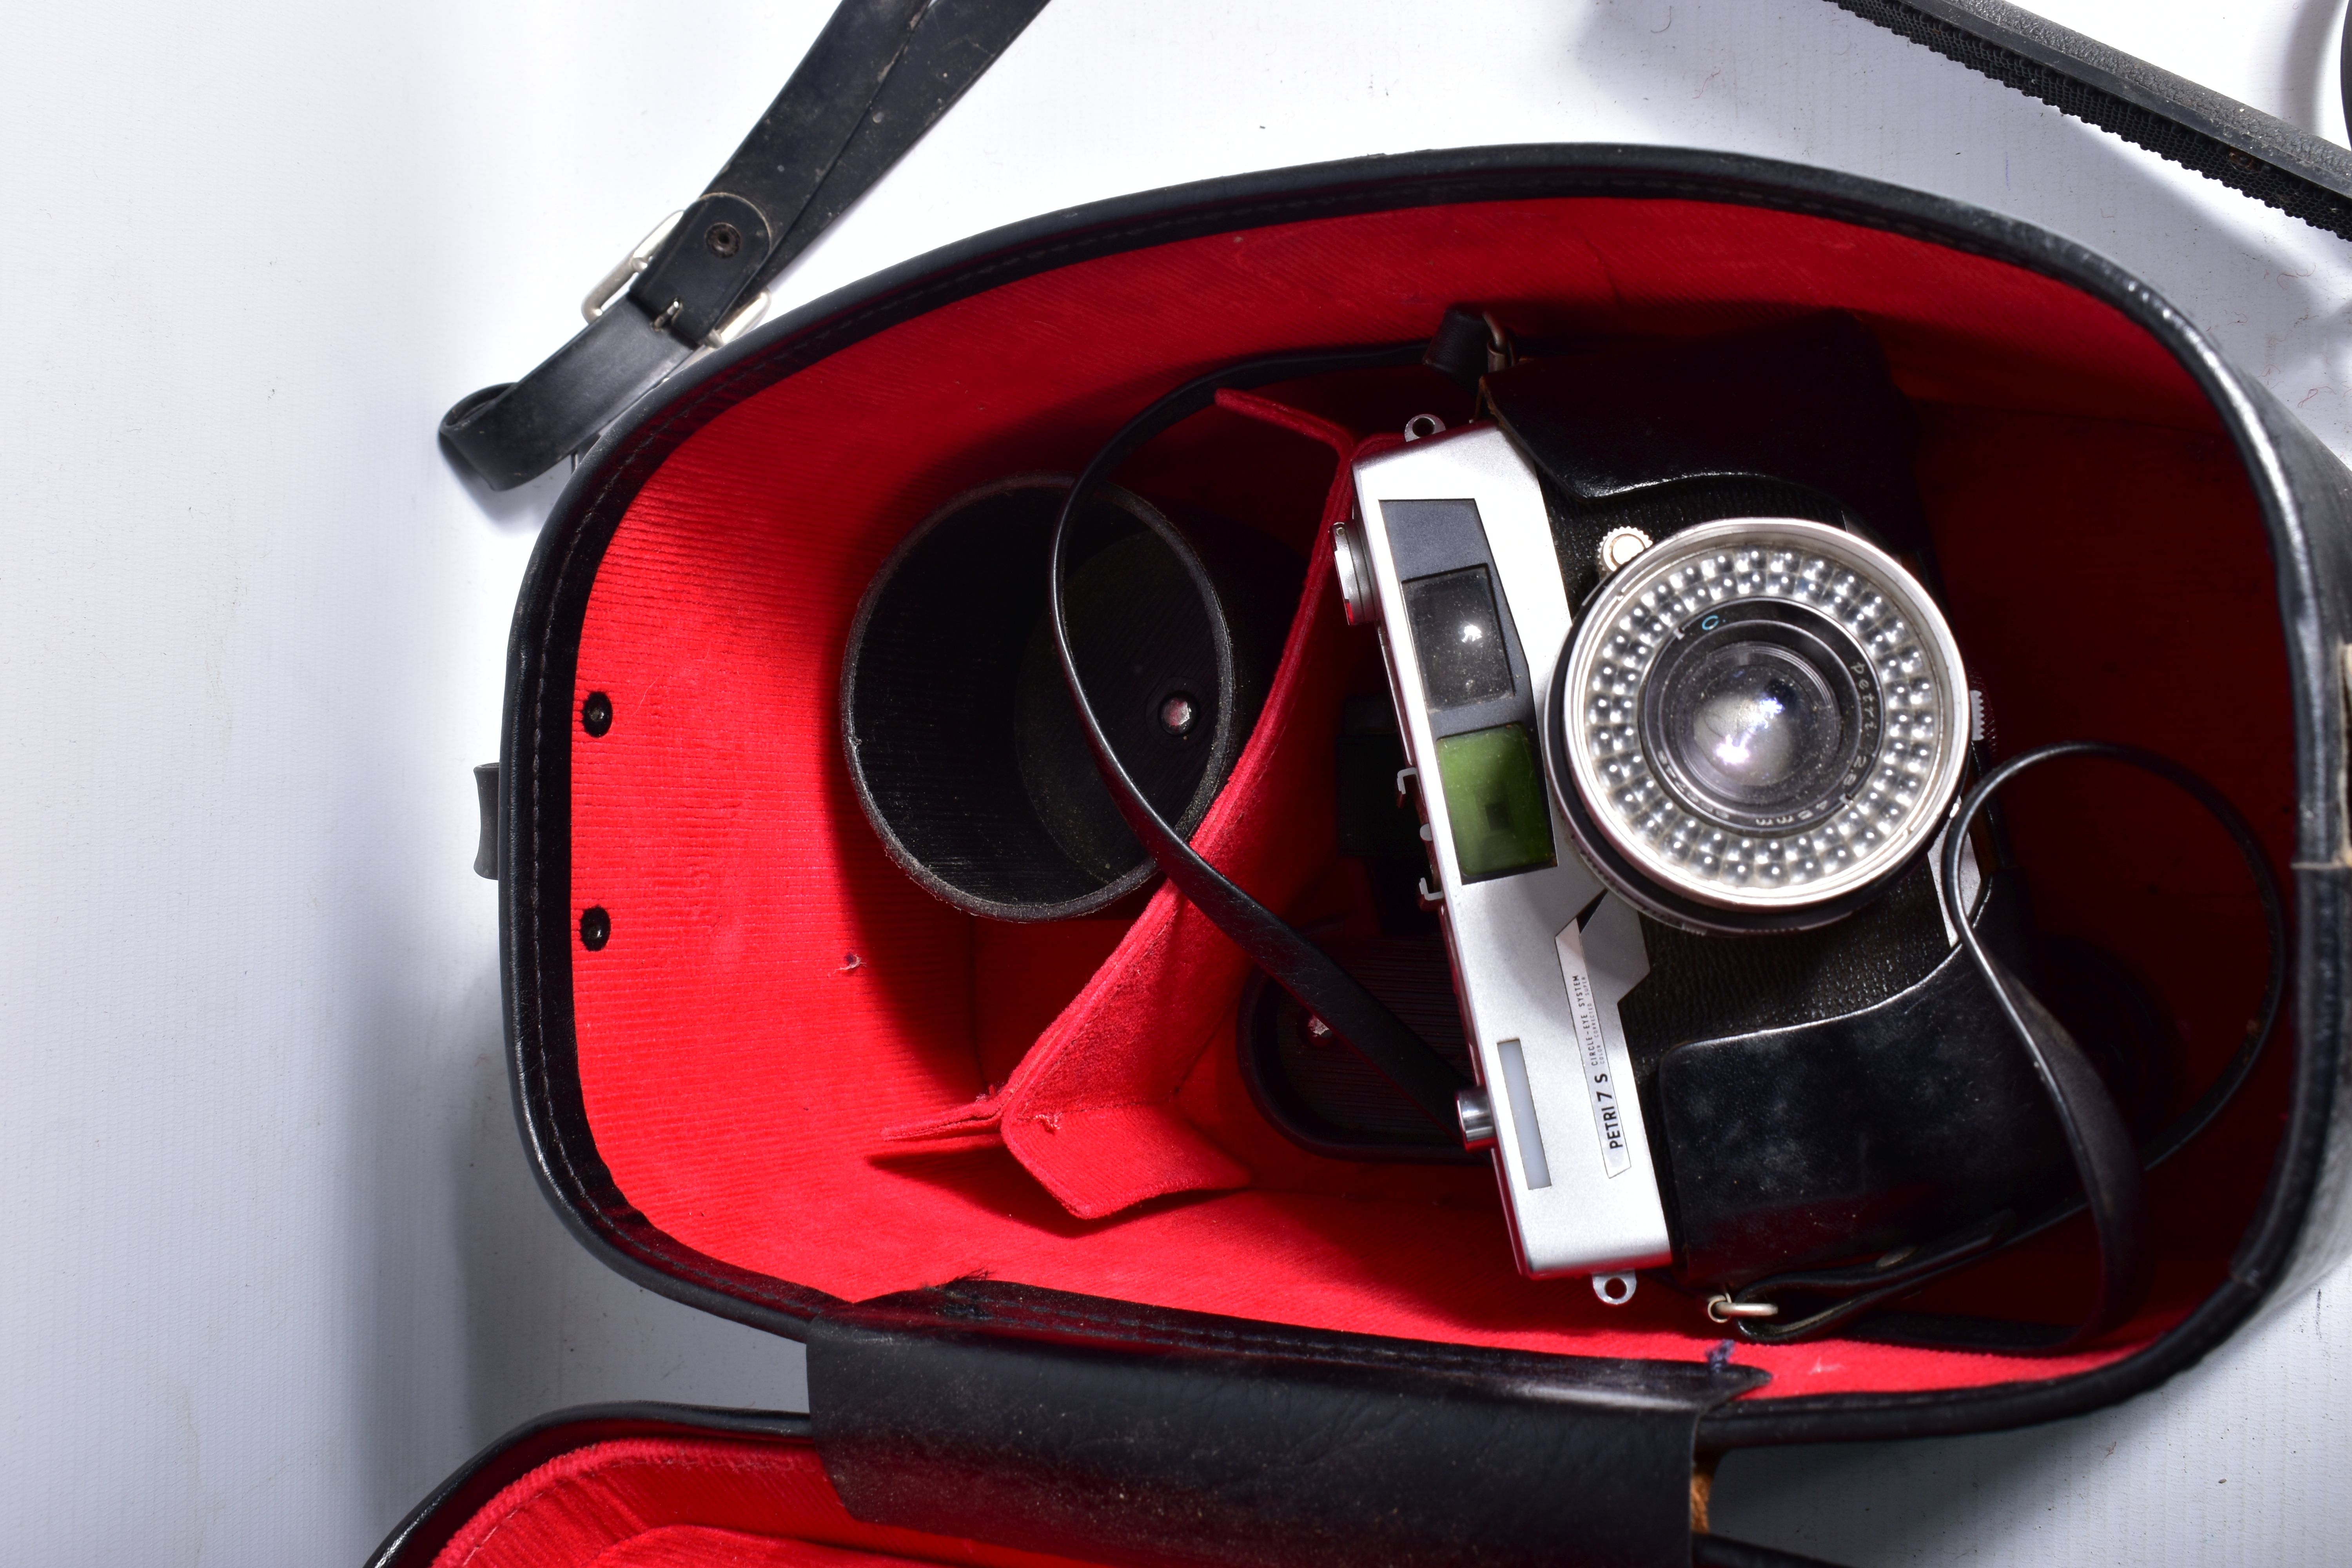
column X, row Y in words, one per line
column 1494, row 795
column 1458, row 637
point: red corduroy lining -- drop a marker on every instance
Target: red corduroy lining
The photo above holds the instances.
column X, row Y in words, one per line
column 688, row 1502
column 2107, row 575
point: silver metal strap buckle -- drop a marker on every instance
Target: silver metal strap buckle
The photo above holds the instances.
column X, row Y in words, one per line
column 623, row 272
column 608, row 288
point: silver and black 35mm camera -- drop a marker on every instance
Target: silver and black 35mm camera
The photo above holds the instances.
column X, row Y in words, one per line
column 1754, row 724
column 1685, row 726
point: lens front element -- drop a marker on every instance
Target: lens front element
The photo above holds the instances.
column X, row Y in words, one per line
column 1761, row 714
column 1749, row 728
column 1755, row 718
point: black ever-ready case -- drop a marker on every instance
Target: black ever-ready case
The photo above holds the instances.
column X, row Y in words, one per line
column 1056, row 1310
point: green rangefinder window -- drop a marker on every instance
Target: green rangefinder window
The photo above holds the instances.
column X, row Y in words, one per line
column 1494, row 794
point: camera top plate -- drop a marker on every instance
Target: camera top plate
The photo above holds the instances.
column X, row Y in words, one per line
column 1455, row 552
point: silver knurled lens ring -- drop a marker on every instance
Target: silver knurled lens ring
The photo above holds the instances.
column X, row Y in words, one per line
column 1758, row 722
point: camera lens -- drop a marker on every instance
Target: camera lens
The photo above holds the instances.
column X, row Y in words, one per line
column 1754, row 715
column 1758, row 716
column 1754, row 720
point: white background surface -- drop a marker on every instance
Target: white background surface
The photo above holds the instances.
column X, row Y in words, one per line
column 276, row 1264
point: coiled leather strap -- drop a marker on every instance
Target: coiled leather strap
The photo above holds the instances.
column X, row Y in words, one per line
column 2105, row 1160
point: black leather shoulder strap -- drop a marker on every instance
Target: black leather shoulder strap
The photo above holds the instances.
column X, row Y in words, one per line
column 883, row 70
column 2277, row 164
column 878, row 76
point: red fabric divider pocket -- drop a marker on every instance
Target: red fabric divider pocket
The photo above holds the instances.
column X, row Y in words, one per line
column 1091, row 1110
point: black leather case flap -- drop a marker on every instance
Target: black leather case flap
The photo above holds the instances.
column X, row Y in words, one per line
column 1128, row 1434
